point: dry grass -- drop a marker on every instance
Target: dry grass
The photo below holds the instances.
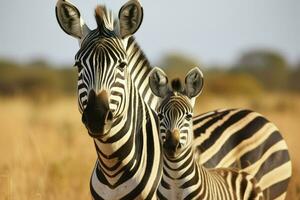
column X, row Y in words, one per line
column 47, row 154
column 45, row 151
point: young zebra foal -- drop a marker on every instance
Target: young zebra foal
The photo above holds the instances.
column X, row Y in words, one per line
column 183, row 176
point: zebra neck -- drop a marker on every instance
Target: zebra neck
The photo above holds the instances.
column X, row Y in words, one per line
column 116, row 152
column 138, row 62
column 186, row 178
column 175, row 168
column 139, row 68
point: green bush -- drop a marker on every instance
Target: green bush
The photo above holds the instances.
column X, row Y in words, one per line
column 35, row 79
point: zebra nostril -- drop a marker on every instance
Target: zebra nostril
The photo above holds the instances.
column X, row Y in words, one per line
column 109, row 116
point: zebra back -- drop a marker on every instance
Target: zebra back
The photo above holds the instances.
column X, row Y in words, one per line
column 245, row 140
column 140, row 67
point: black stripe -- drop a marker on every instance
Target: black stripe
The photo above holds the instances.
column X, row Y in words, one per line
column 165, row 184
column 150, row 156
column 275, row 160
column 194, row 194
column 160, row 196
column 204, row 127
column 192, row 181
column 246, row 132
column 93, row 192
column 255, row 154
column 218, row 132
column 277, row 189
column 212, row 114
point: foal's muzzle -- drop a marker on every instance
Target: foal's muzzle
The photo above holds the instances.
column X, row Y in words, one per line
column 172, row 143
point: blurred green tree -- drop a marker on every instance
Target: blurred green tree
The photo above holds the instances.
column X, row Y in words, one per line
column 177, row 65
column 217, row 80
column 35, row 79
column 294, row 78
column 268, row 66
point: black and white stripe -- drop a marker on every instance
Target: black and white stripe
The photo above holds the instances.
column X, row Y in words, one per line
column 245, row 140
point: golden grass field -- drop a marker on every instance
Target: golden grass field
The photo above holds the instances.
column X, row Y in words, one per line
column 47, row 154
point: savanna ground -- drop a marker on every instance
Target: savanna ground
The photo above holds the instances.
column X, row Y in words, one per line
column 45, row 152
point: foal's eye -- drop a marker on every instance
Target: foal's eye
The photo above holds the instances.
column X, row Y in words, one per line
column 188, row 116
column 160, row 116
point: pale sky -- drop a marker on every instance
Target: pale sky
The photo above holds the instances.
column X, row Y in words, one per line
column 211, row 31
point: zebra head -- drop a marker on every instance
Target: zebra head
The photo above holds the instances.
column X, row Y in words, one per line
column 175, row 110
column 101, row 61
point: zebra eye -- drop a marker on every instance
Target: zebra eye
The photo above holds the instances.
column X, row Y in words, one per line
column 122, row 66
column 188, row 116
column 160, row 116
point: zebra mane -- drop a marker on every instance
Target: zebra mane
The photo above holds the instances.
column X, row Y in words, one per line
column 105, row 19
column 176, row 85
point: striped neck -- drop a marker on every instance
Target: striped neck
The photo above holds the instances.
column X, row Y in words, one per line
column 139, row 68
column 129, row 160
column 117, row 148
column 174, row 168
column 185, row 178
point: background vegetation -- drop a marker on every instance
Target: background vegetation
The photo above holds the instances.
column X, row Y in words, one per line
column 47, row 154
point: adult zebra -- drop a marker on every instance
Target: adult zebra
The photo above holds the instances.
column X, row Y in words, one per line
column 241, row 139
column 124, row 128
column 183, row 176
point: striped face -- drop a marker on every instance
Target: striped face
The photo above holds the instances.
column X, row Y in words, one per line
column 102, row 67
column 175, row 110
column 102, row 76
column 175, row 116
column 101, row 62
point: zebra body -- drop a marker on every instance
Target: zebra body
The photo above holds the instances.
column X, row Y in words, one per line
column 122, row 125
column 252, row 144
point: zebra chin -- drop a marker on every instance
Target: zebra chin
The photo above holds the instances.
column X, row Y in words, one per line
column 101, row 132
column 172, row 153
column 99, row 129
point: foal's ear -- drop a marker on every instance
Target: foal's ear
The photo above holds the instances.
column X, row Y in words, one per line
column 69, row 19
column 130, row 17
column 158, row 82
column 194, row 82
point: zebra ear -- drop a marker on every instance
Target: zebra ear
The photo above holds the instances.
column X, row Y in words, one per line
column 194, row 82
column 69, row 19
column 130, row 17
column 158, row 82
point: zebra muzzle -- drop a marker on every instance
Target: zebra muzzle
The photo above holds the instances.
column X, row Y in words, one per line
column 97, row 117
column 172, row 143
